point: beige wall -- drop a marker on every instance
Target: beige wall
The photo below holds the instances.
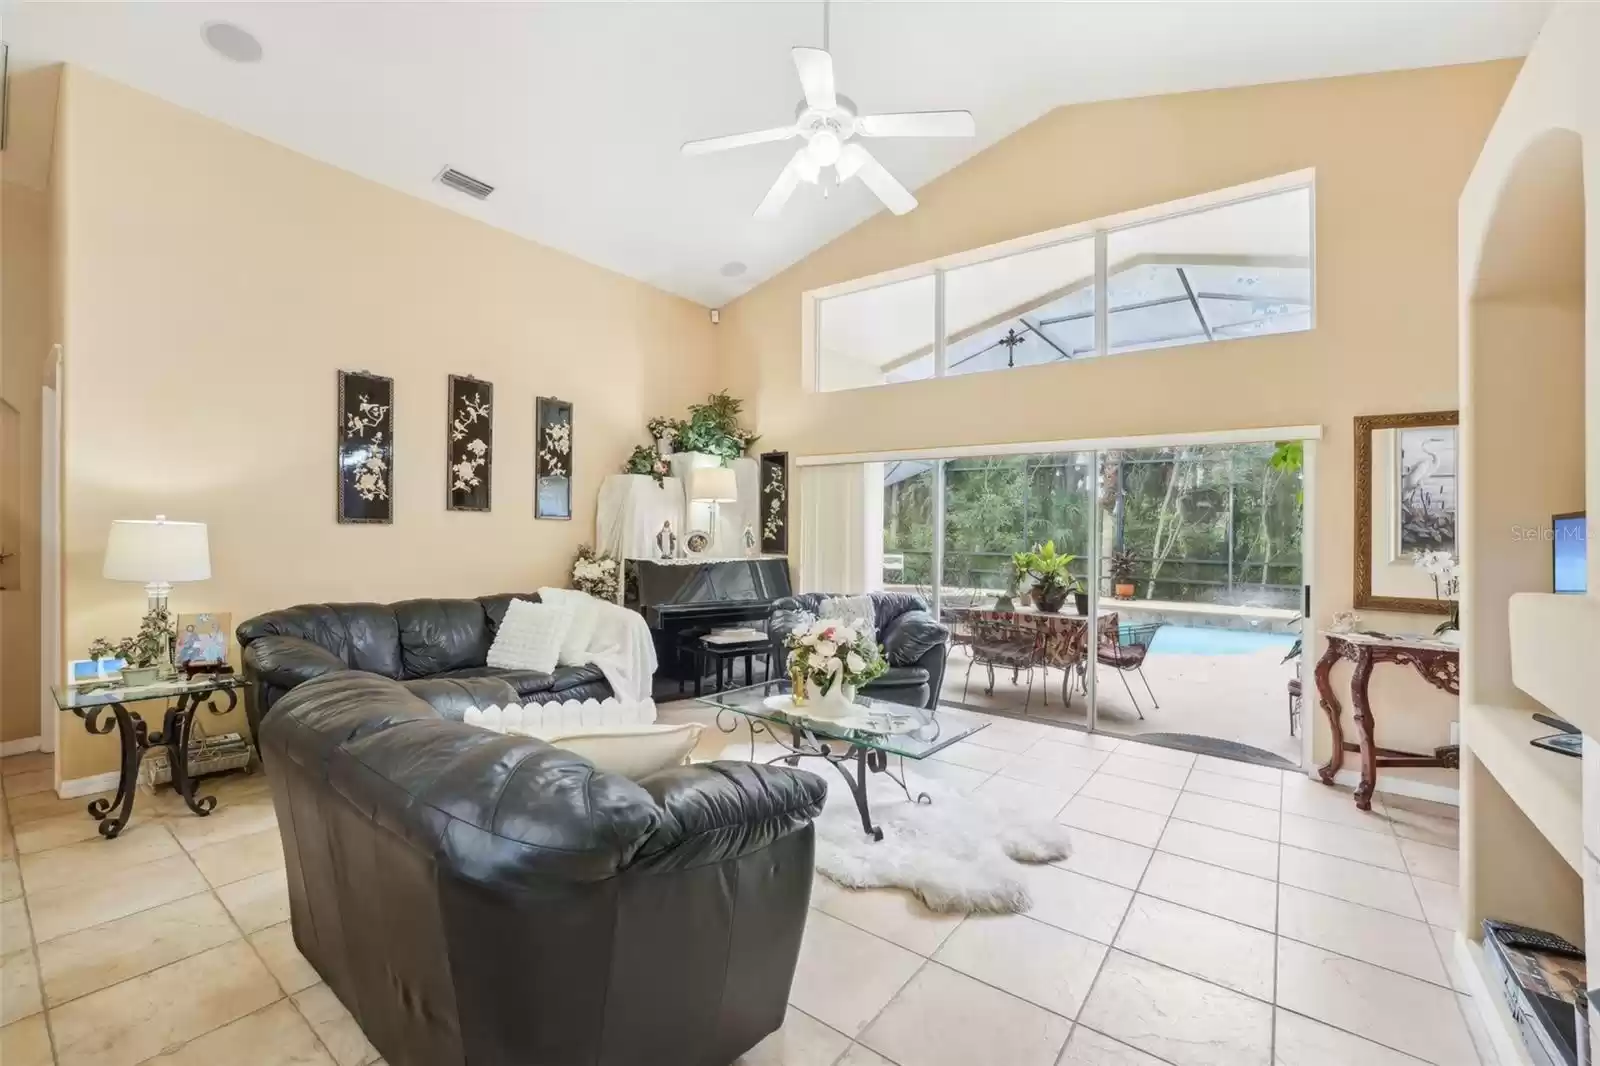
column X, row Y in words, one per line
column 25, row 339
column 1391, row 153
column 215, row 282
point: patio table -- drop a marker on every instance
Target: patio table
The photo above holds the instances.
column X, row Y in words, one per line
column 1060, row 638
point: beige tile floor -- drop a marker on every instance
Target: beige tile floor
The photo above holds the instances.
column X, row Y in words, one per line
column 1213, row 914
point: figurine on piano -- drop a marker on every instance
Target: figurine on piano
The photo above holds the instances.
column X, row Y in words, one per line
column 667, row 541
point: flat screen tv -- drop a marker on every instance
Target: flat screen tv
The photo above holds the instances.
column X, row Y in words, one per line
column 1571, row 552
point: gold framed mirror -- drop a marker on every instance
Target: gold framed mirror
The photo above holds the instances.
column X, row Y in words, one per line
column 1407, row 502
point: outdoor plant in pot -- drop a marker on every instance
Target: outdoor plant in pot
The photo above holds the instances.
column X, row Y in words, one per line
column 143, row 652
column 1016, row 573
column 1048, row 572
column 828, row 661
column 1121, row 564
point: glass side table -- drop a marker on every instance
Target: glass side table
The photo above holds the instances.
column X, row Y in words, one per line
column 92, row 702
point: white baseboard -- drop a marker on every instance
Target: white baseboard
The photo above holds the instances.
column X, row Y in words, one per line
column 1404, row 786
column 88, row 786
column 20, row 746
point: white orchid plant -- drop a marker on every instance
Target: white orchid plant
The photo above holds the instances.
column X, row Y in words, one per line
column 827, row 652
column 1445, row 571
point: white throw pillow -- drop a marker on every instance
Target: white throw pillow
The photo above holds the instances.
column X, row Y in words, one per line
column 856, row 610
column 635, row 751
column 530, row 637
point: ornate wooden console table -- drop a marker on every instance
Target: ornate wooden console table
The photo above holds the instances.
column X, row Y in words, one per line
column 1438, row 662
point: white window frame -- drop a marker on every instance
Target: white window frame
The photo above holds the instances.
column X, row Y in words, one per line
column 1099, row 229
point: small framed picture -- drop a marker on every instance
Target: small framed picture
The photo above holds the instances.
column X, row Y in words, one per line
column 94, row 671
column 697, row 543
column 203, row 639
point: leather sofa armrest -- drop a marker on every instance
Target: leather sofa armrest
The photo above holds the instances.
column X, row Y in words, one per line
column 286, row 661
column 911, row 636
column 715, row 811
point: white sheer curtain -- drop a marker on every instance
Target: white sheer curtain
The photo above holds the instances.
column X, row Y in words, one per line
column 841, row 528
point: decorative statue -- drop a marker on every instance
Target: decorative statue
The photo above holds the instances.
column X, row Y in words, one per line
column 749, row 540
column 667, row 541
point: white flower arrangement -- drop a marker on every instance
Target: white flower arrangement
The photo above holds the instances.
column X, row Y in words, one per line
column 825, row 653
column 598, row 575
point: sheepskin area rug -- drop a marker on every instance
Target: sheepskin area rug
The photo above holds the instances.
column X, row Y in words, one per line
column 956, row 854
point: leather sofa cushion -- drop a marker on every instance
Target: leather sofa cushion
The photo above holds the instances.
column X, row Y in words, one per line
column 494, row 608
column 899, row 677
column 525, row 682
column 438, row 636
column 535, row 682
column 571, row 677
column 365, row 635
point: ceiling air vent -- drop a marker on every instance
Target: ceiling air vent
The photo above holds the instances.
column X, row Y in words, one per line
column 454, row 179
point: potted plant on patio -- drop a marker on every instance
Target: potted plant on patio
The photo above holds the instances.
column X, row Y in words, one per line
column 1080, row 598
column 1017, row 571
column 1121, row 565
column 1048, row 572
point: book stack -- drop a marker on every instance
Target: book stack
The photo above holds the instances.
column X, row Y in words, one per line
column 207, row 755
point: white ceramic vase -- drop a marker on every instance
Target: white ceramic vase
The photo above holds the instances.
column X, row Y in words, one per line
column 837, row 703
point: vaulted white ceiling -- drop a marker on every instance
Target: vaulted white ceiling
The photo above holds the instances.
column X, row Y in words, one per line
column 574, row 112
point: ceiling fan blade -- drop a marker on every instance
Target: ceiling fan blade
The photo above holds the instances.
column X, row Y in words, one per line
column 917, row 124
column 738, row 140
column 816, row 77
column 856, row 160
column 788, row 181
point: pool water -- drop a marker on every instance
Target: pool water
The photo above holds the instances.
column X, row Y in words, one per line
column 1206, row 640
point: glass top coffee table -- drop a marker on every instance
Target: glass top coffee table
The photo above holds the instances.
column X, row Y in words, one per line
column 855, row 745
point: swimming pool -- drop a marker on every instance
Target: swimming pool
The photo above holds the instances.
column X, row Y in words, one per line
column 1207, row 640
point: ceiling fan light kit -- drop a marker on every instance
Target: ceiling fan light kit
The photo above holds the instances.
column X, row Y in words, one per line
column 829, row 124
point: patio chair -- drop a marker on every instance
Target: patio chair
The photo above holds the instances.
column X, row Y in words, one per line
column 960, row 627
column 1006, row 645
column 1124, row 648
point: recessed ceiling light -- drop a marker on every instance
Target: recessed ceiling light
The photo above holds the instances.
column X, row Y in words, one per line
column 231, row 42
column 733, row 269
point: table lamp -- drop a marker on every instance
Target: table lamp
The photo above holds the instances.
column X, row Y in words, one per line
column 157, row 554
column 713, row 485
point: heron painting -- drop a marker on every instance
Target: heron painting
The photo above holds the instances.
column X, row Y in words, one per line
column 1425, row 484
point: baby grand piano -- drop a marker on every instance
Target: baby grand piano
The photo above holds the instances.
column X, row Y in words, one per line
column 684, row 599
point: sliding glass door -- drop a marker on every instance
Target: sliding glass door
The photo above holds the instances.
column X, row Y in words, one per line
column 1190, row 558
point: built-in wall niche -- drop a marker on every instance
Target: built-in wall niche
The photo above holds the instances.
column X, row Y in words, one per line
column 1524, row 440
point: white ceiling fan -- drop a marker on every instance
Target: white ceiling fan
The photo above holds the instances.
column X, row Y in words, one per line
column 829, row 123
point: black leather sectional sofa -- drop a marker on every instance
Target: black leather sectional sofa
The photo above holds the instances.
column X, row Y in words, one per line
column 477, row 899
column 436, row 647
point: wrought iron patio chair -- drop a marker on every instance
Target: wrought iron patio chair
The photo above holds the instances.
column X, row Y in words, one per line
column 1006, row 644
column 1124, row 648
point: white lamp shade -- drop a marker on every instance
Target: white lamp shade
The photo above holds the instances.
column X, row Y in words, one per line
column 159, row 551
column 713, row 484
